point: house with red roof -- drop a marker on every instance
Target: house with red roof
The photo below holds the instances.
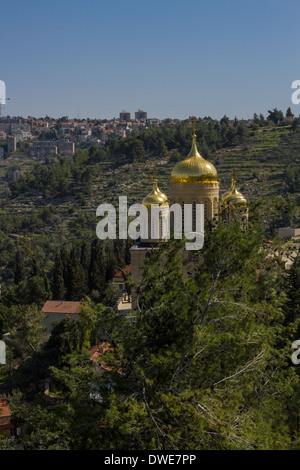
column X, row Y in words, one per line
column 6, row 427
column 97, row 352
column 58, row 310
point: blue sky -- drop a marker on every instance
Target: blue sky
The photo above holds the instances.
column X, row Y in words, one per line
column 93, row 58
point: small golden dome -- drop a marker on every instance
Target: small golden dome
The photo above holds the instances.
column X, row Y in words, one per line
column 234, row 197
column 155, row 197
column 194, row 169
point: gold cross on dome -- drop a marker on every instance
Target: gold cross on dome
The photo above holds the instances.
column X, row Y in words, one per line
column 194, row 124
column 154, row 177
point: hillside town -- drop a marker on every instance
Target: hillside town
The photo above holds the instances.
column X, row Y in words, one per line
column 47, row 137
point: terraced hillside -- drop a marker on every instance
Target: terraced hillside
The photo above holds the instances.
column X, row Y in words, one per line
column 260, row 161
column 260, row 164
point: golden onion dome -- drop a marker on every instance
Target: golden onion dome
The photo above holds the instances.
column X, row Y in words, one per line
column 234, row 197
column 155, row 197
column 194, row 168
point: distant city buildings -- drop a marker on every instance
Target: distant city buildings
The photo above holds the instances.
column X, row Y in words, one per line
column 66, row 147
column 49, row 137
column 11, row 144
column 125, row 116
column 44, row 148
column 21, row 131
column 141, row 115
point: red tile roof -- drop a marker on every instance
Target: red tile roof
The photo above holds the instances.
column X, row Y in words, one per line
column 4, row 409
column 126, row 270
column 61, row 306
column 97, row 351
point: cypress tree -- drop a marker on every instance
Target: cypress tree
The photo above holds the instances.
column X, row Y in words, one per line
column 58, row 286
column 111, row 263
column 85, row 256
column 76, row 282
column 96, row 270
column 19, row 275
column 65, row 262
column 35, row 268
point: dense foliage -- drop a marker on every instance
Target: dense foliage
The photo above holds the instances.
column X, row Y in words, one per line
column 203, row 362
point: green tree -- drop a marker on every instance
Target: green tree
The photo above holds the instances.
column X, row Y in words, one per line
column 293, row 291
column 58, row 286
column 202, row 363
column 19, row 275
column 200, row 355
column 289, row 113
column 26, row 334
column 85, row 256
column 76, row 281
column 97, row 267
column 242, row 132
column 276, row 116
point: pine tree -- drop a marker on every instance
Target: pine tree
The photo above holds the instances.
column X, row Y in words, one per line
column 19, row 275
column 96, row 269
column 118, row 251
column 204, row 358
column 35, row 268
column 111, row 262
column 58, row 286
column 289, row 113
column 203, row 363
column 85, row 256
column 293, row 291
column 65, row 263
column 76, row 282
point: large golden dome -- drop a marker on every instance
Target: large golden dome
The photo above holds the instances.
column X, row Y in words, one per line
column 155, row 197
column 194, row 169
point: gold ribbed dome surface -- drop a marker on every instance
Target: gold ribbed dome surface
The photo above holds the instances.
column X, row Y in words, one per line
column 234, row 197
column 194, row 169
column 155, row 197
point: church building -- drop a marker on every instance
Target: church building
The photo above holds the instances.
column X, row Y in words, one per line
column 193, row 181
